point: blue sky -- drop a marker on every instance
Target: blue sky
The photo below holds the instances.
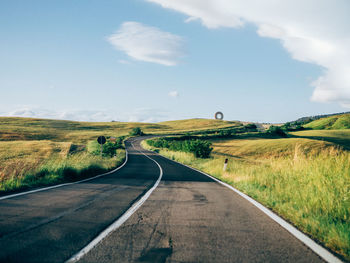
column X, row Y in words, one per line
column 141, row 60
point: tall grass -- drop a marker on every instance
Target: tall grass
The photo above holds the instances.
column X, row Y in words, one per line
column 311, row 189
column 26, row 164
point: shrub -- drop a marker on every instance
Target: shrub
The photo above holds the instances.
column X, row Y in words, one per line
column 108, row 149
column 276, row 131
column 199, row 148
column 136, row 132
column 251, row 127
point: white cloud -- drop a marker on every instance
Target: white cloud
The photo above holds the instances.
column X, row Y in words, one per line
column 123, row 61
column 174, row 94
column 313, row 31
column 136, row 115
column 149, row 44
column 146, row 115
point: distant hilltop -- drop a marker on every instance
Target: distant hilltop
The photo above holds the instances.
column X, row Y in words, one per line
column 304, row 120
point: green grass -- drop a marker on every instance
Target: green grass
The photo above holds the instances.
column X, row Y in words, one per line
column 330, row 123
column 305, row 181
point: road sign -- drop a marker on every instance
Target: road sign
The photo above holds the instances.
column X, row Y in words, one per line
column 101, row 140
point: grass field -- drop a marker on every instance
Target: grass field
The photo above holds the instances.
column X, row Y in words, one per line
column 13, row 129
column 27, row 164
column 35, row 152
column 336, row 122
column 195, row 125
column 306, row 181
column 339, row 137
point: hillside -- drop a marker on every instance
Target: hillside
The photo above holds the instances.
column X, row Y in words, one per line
column 336, row 122
column 14, row 128
column 196, row 125
column 36, row 152
column 305, row 120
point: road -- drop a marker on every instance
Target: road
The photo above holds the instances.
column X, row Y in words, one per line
column 188, row 218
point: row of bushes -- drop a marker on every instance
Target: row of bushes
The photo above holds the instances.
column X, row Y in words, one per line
column 292, row 126
column 200, row 148
column 276, row 131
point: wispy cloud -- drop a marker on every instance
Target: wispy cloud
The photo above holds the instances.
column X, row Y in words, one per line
column 146, row 43
column 311, row 31
column 136, row 115
column 123, row 61
column 174, row 94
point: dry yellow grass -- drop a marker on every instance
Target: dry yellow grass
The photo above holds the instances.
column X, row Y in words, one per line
column 267, row 148
column 12, row 129
column 196, row 125
column 20, row 157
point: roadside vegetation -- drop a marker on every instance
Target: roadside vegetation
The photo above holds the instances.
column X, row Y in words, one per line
column 28, row 164
column 303, row 179
column 200, row 148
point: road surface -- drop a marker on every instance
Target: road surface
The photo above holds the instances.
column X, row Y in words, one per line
column 188, row 218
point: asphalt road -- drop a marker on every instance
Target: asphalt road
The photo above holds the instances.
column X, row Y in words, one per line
column 188, row 218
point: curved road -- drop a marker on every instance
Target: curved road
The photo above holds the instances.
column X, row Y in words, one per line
column 188, row 218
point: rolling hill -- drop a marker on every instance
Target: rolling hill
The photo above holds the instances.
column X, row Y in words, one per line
column 336, row 122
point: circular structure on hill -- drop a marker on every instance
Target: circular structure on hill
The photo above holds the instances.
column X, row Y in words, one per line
column 219, row 115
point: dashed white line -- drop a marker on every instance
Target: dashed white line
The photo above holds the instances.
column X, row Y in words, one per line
column 121, row 219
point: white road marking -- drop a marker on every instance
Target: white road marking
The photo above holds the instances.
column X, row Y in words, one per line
column 116, row 224
column 319, row 250
column 66, row 184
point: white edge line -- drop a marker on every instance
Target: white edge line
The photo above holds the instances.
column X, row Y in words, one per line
column 319, row 250
column 65, row 184
column 116, row 224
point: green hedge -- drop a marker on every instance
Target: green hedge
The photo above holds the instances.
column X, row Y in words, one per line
column 199, row 148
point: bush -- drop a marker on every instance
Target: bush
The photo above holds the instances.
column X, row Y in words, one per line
column 199, row 148
column 276, row 131
column 251, row 127
column 292, row 126
column 108, row 149
column 136, row 132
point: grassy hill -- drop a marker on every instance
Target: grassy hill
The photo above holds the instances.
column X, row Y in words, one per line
column 336, row 122
column 12, row 128
column 338, row 137
column 196, row 125
column 259, row 148
column 36, row 152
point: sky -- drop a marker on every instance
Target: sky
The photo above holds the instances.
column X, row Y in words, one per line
column 157, row 60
